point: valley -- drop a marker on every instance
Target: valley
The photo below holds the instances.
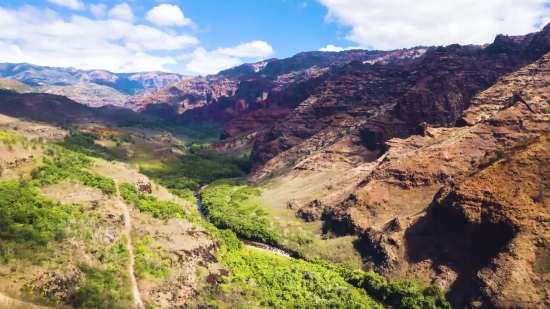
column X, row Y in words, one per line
column 413, row 178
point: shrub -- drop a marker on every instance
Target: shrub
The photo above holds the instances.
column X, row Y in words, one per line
column 229, row 207
column 69, row 165
column 150, row 204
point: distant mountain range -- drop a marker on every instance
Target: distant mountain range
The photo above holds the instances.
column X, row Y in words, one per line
column 92, row 87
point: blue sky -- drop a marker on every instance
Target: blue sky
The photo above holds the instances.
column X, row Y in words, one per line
column 205, row 36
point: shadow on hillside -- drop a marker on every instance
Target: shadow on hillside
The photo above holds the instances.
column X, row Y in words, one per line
column 447, row 239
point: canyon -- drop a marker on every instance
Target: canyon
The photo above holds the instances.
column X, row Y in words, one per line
column 431, row 162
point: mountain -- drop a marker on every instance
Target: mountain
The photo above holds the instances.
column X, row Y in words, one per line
column 380, row 102
column 86, row 93
column 58, row 109
column 92, row 87
column 439, row 166
column 272, row 86
column 13, row 85
column 127, row 83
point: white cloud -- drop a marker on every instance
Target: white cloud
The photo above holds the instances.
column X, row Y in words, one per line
column 167, row 15
column 211, row 62
column 246, row 50
column 122, row 12
column 204, row 62
column 332, row 48
column 395, row 24
column 71, row 4
column 98, row 10
column 43, row 37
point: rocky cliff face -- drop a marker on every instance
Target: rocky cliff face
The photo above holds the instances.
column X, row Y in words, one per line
column 384, row 101
column 268, row 89
column 463, row 207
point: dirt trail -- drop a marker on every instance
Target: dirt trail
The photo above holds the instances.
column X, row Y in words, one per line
column 8, row 302
column 128, row 225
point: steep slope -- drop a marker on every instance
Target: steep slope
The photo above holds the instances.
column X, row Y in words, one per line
column 13, row 85
column 87, row 93
column 251, row 87
column 435, row 90
column 61, row 110
column 488, row 221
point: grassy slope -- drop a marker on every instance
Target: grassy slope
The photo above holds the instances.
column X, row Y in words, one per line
column 13, row 85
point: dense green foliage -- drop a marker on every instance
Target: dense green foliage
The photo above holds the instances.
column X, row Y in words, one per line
column 29, row 221
column 65, row 165
column 226, row 207
column 398, row 294
column 199, row 165
column 265, row 280
column 102, row 290
column 150, row 204
column 149, row 263
column 83, row 142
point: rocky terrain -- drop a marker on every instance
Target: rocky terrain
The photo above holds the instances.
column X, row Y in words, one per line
column 462, row 206
column 380, row 102
column 266, row 90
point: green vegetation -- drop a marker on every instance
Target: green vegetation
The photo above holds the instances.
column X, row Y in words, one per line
column 150, row 204
column 149, row 263
column 269, row 281
column 266, row 280
column 65, row 165
column 199, row 165
column 201, row 133
column 29, row 221
column 102, row 289
column 83, row 142
column 397, row 294
column 255, row 279
column 226, row 207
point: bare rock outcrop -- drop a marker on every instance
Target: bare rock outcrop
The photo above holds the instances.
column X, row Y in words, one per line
column 144, row 186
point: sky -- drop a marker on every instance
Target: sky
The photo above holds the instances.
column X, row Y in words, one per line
column 200, row 37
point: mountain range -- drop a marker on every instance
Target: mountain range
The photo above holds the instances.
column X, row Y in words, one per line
column 434, row 158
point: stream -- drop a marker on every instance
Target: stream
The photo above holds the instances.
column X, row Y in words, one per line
column 251, row 244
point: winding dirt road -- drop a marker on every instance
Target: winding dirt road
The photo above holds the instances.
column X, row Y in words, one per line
column 127, row 230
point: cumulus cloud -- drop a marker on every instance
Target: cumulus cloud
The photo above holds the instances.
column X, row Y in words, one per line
column 396, row 24
column 98, row 10
column 122, row 12
column 211, row 62
column 246, row 50
column 71, row 4
column 332, row 48
column 43, row 37
column 205, row 62
column 168, row 15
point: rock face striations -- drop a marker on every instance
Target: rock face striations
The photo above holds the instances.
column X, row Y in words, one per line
column 464, row 207
column 383, row 101
column 268, row 89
